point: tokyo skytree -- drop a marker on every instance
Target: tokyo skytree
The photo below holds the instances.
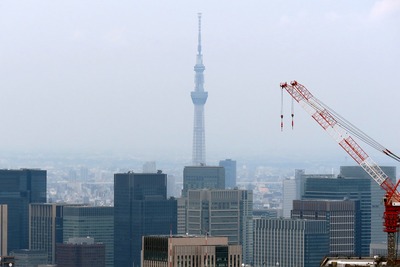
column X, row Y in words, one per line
column 199, row 98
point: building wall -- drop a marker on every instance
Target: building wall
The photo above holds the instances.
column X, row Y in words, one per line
column 29, row 258
column 343, row 222
column 230, row 172
column 203, row 177
column 18, row 188
column 3, row 229
column 345, row 188
column 140, row 208
column 223, row 213
column 80, row 255
column 290, row 242
column 377, row 194
column 96, row 222
column 185, row 251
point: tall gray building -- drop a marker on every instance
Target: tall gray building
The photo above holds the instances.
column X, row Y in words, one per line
column 230, row 172
column 199, row 98
column 95, row 222
column 290, row 242
column 223, row 213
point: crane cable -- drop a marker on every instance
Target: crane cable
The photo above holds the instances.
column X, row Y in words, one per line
column 282, row 110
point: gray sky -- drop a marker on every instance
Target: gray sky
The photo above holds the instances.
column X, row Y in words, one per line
column 117, row 75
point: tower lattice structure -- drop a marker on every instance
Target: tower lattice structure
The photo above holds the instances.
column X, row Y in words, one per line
column 199, row 98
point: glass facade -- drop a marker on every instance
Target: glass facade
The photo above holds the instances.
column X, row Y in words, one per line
column 95, row 222
column 18, row 188
column 200, row 177
column 140, row 208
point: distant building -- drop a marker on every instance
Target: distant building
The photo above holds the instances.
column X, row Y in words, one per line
column 3, row 229
column 29, row 258
column 343, row 222
column 166, row 251
column 18, row 188
column 95, row 222
column 291, row 191
column 223, row 213
column 140, row 208
column 46, row 227
column 230, row 172
column 149, row 167
column 377, row 193
column 80, row 252
column 355, row 184
column 203, row 177
column 290, row 242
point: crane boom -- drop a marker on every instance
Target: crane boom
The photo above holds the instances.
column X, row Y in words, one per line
column 340, row 129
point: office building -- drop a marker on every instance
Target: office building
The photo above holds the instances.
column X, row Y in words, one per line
column 343, row 222
column 29, row 258
column 377, row 193
column 19, row 188
column 230, row 172
column 226, row 213
column 166, row 251
column 290, row 242
column 46, row 227
column 292, row 188
column 203, row 177
column 95, row 222
column 350, row 185
column 80, row 252
column 3, row 229
column 140, row 208
column 199, row 98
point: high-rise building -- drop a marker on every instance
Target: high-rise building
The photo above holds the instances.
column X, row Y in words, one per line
column 140, row 208
column 230, row 172
column 203, row 177
column 343, row 222
column 46, row 227
column 290, row 242
column 3, row 230
column 226, row 213
column 340, row 188
column 80, row 252
column 29, row 258
column 291, row 191
column 188, row 250
column 19, row 188
column 95, row 222
column 377, row 193
column 199, row 98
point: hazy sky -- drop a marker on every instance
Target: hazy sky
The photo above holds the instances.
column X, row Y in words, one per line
column 117, row 75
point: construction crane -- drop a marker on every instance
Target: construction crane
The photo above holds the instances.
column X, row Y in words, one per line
column 342, row 131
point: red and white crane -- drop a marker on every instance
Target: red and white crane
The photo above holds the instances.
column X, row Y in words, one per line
column 342, row 131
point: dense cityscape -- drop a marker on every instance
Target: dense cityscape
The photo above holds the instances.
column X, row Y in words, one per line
column 144, row 209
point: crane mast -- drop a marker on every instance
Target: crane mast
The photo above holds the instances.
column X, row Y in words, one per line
column 340, row 129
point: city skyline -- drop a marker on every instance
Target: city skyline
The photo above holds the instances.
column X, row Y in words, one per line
column 100, row 81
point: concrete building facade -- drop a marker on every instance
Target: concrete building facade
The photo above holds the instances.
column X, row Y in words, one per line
column 225, row 213
column 194, row 251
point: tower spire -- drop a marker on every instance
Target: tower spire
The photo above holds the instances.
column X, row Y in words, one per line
column 199, row 98
column 199, row 38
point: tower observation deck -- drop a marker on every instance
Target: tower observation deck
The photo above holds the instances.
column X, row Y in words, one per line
column 199, row 98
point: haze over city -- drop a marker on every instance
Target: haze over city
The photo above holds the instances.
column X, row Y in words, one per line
column 116, row 76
